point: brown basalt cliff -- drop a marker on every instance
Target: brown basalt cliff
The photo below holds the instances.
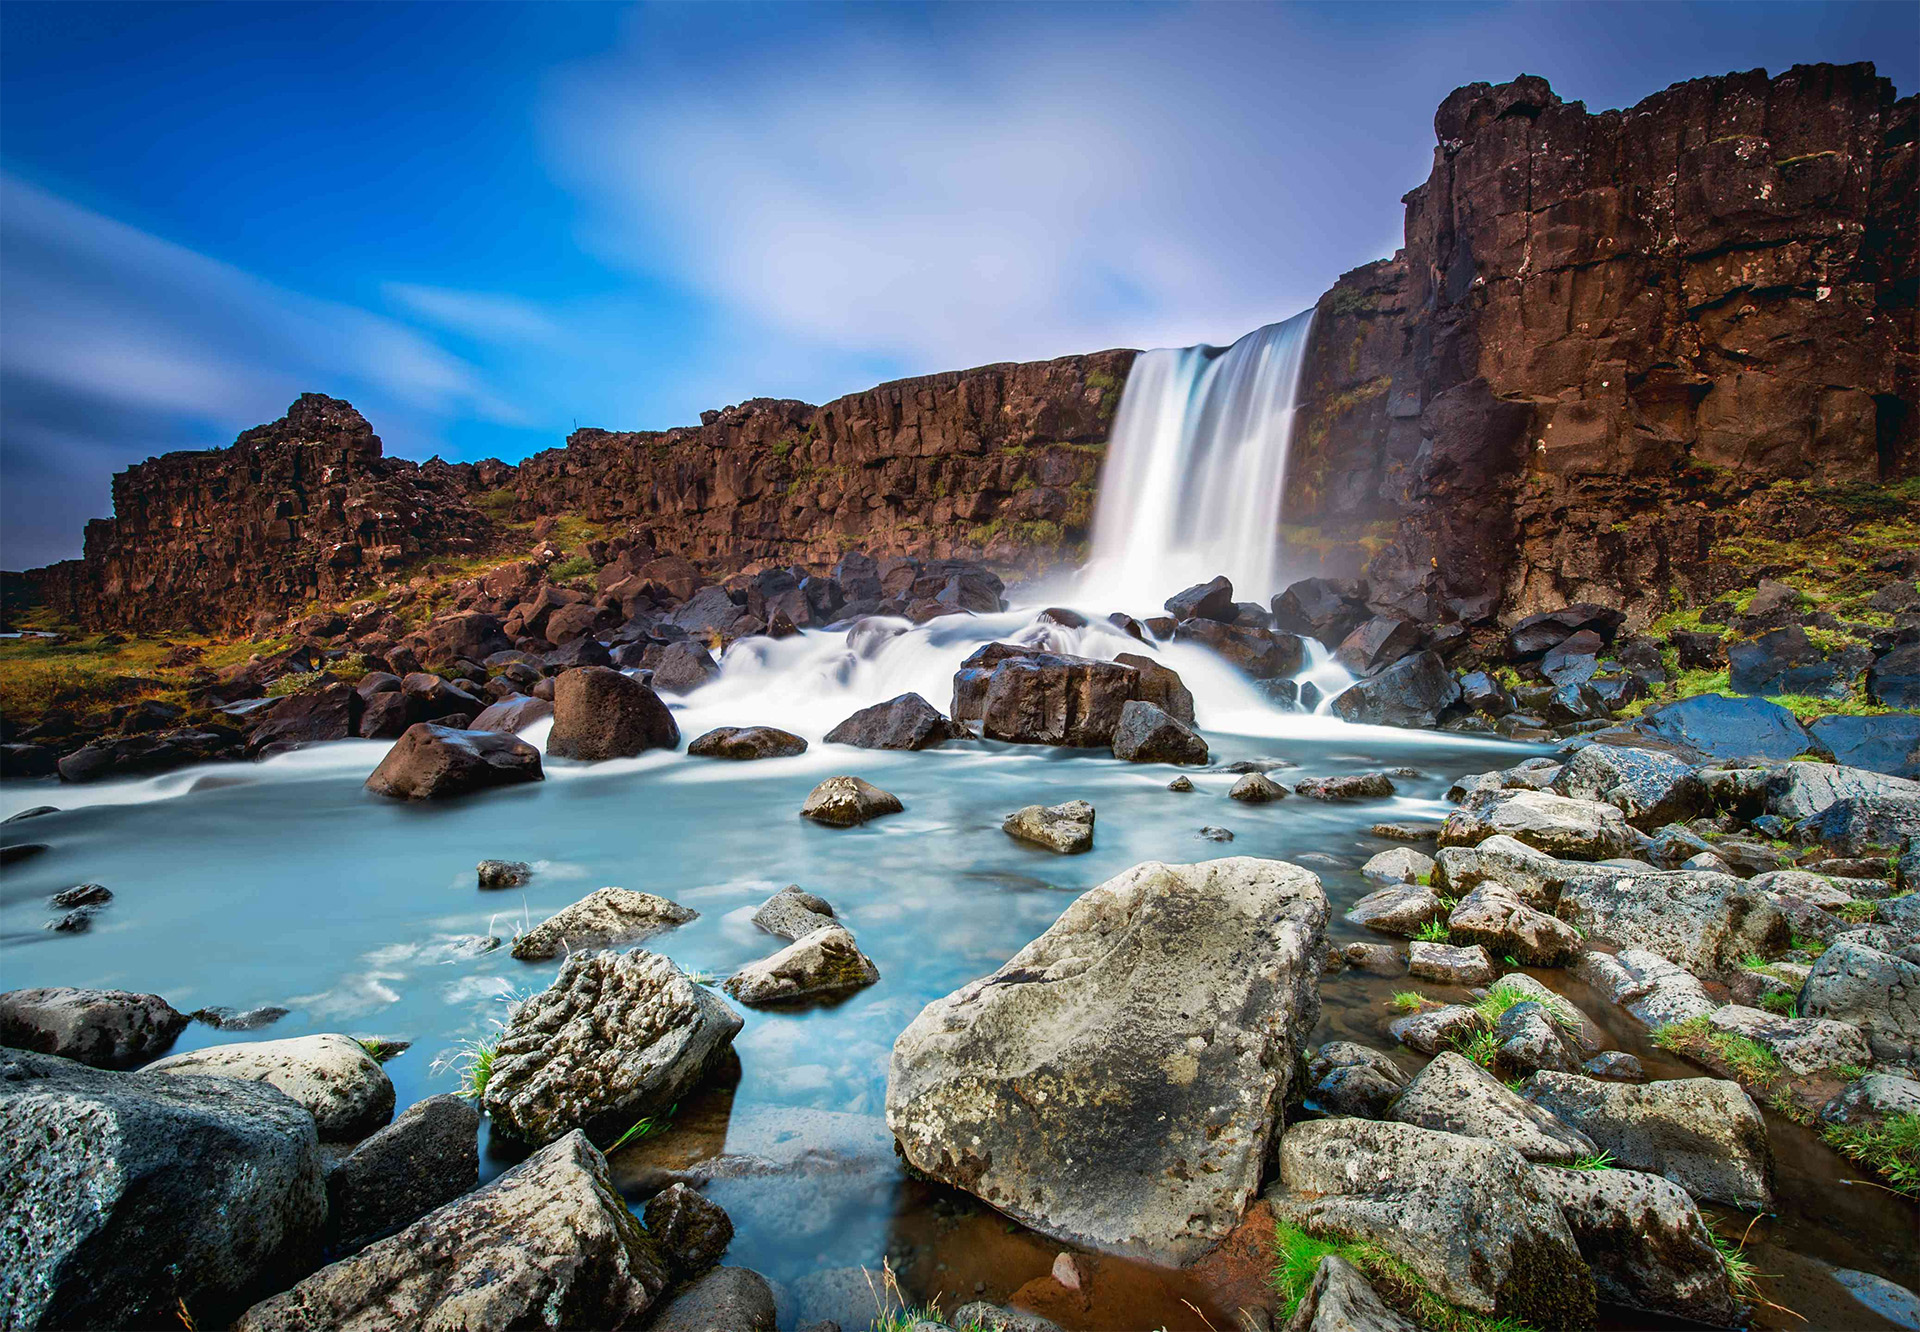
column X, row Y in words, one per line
column 1615, row 341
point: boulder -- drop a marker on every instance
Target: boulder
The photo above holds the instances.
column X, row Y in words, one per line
column 1147, row 734
column 747, row 742
column 1894, row 678
column 601, row 919
column 1064, row 828
column 1725, row 727
column 793, row 912
column 1800, row 791
column 342, row 1086
column 1432, row 1030
column 1494, row 916
column 1403, row 909
column 1401, row 865
column 104, row 1028
column 1527, row 1039
column 906, row 722
column 1256, row 788
column 842, row 802
column 1354, row 786
column 1413, row 692
column 692, row 1231
column 329, row 712
column 496, row 874
column 1348, row 1079
column 1575, row 829
column 1865, row 825
column 1805, row 1046
column 727, row 1299
column 1463, row 1213
column 1537, row 634
column 707, row 613
column 1649, row 786
column 1875, row 991
column 512, row 714
column 472, row 635
column 684, row 666
column 1448, row 965
column 1872, row 1099
column 127, row 1196
column 1704, row 1134
column 1028, row 697
column 1260, row 653
column 615, row 1038
column 1377, row 643
column 1161, row 686
column 1212, row 601
column 822, row 963
column 1455, row 1095
column 1323, row 608
column 1645, row 1242
column 1648, row 986
column 427, row 1157
column 434, row 762
column 549, row 1244
column 1171, row 996
column 598, row 713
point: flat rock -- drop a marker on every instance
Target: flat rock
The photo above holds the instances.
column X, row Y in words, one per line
column 1726, row 727
column 1448, row 964
column 793, row 912
column 1407, row 830
column 1804, row 1046
column 430, row 762
column 1402, row 909
column 1645, row 1242
column 602, row 918
column 747, row 742
column 549, row 1244
column 1146, row 733
column 104, row 1028
column 1704, row 1134
column 907, row 722
column 1359, row 786
column 1455, row 1095
column 615, row 1038
column 342, row 1086
column 1646, row 985
column 427, row 1157
column 1175, row 996
column 842, row 802
column 824, row 962
column 1556, row 825
column 1066, row 828
column 1496, row 917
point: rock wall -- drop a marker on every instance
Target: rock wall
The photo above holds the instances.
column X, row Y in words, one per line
column 998, row 462
column 1611, row 340
column 304, row 509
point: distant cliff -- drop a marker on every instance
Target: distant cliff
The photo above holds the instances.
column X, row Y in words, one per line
column 1611, row 339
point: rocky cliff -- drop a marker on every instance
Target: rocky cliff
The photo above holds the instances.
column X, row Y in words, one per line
column 1615, row 342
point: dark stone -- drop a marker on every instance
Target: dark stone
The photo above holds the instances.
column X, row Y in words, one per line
column 1413, row 692
column 1537, row 634
column 24, row 760
column 1573, row 661
column 249, row 1019
column 747, row 742
column 1259, row 652
column 431, row 697
column 1894, row 679
column 1211, row 601
column 906, row 722
column 1322, row 608
column 384, row 716
column 599, row 714
column 80, row 895
column 104, row 1028
column 1379, row 643
column 1161, row 686
column 1483, row 693
column 432, row 762
column 691, row 1231
column 1888, row 743
column 512, row 714
column 585, row 650
column 1723, row 727
column 1784, row 661
column 430, row 1155
column 1147, row 734
column 331, row 712
column 1028, row 697
column 684, row 667
column 1698, row 650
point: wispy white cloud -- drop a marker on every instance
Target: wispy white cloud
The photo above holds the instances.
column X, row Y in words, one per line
column 486, row 316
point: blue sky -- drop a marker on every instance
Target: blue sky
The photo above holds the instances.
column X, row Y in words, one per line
column 487, row 223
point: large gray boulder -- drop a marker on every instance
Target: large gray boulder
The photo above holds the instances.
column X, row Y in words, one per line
column 1804, row 1045
column 342, row 1086
column 599, row 713
column 1118, row 1082
column 1877, row 992
column 432, row 762
column 1645, row 1242
column 615, row 1038
column 104, row 1028
column 1455, row 1095
column 549, row 1244
column 430, row 1155
column 1797, row 791
column 1649, row 786
column 819, row 964
column 604, row 917
column 1870, row 825
column 1704, row 1134
column 1495, row 917
column 906, row 722
column 123, row 1195
column 1026, row 696
column 1415, row 691
column 1556, row 825
column 1465, row 1214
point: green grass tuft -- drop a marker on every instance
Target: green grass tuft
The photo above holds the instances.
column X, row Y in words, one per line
column 1891, row 1149
column 1409, row 1001
column 1780, row 1002
column 1434, row 931
column 1599, row 1161
column 1494, row 1004
column 1298, row 1256
column 650, row 1127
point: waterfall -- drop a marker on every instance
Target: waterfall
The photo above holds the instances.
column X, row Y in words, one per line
column 1196, row 469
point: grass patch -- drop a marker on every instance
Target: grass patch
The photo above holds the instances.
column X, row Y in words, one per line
column 1781, row 1003
column 1598, row 1161
column 1890, row 1149
column 574, row 566
column 1806, row 708
column 1742, row 1275
column 1434, row 931
column 1812, row 947
column 378, row 1050
column 652, row 1126
column 1503, row 995
column 1482, row 1047
column 1298, row 1256
column 1409, row 1001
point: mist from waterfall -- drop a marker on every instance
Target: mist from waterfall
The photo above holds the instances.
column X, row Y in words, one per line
column 1196, row 470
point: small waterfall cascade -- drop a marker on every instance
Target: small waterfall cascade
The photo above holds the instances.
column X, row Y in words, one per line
column 1196, row 469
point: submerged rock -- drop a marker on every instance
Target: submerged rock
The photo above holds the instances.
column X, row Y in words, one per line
column 126, row 1194
column 1172, row 996
column 503, row 873
column 1064, row 828
column 615, row 1038
column 1645, row 1242
column 727, row 1299
column 824, row 962
column 692, row 1231
column 602, row 918
column 907, row 722
column 599, row 713
column 747, row 742
column 104, row 1028
column 842, row 802
column 1146, row 734
column 342, row 1086
column 432, row 762
column 549, row 1244
column 793, row 912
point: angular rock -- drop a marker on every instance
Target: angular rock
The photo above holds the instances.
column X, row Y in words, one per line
column 1348, row 1079
column 793, row 912
column 103, row 1028
column 1464, row 1214
column 842, row 802
column 1146, row 734
column 1645, row 1242
column 1403, row 909
column 824, row 962
column 1175, row 996
column 1258, row 652
column 1726, row 727
column 747, row 742
column 512, row 714
column 615, row 1038
column 1575, row 829
column 1159, row 685
column 1614, row 1065
column 1494, row 916
column 1024, row 696
column 1377, row 643
column 907, row 722
column 601, row 919
column 1529, row 1040
column 1649, row 786
column 683, row 667
column 1213, row 601
column 1875, row 991
column 599, row 713
column 1648, row 986
column 1356, row 786
column 1870, row 1100
column 1413, row 692
column 434, row 762
column 1435, row 1029
column 1704, row 1134
column 549, row 1244
column 495, row 874
column 1455, row 1095
column 1889, row 744
column 1804, row 1046
column 427, row 1157
column 1256, row 788
column 342, row 1086
column 1449, row 965
column 692, row 1231
column 1865, row 825
column 126, row 1194
column 1064, row 828
column 1400, row 865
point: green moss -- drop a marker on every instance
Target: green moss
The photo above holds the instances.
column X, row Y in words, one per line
column 1808, row 708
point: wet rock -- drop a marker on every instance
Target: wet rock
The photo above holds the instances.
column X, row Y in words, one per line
column 1614, row 1066
column 1400, row 865
column 1803, row 1046
column 427, row 1157
column 1645, row 1242
column 342, row 1086
column 1375, row 959
column 615, row 1038
column 1728, row 727
column 330, row 712
column 1323, row 608
column 1455, row 1095
column 512, row 714
column 1529, row 1040
column 1213, row 834
column 103, row 1028
column 1435, row 1029
column 1159, row 685
column 692, row 1231
column 1575, row 829
column 793, row 912
column 77, row 921
column 1494, row 916
column 1338, row 1299
column 549, row 1244
column 1646, row 985
column 822, row 963
column 473, row 635
column 1865, row 825
column 1888, row 744
column 1464, row 1214
column 1704, row 1134
column 1403, row 909
column 727, row 1299
column 1649, row 786
column 1360, row 786
column 1064, row 828
column 842, row 802
column 601, row 919
column 385, row 716
column 1146, row 734
column 126, row 1194
column 503, row 873
column 1871, row 1099
column 1256, row 788
column 1212, row 601
column 434, row 762
column 907, row 722
column 1182, row 993
column 1877, row 992
column 249, row 1019
column 1257, row 652
column 1181, row 784
column 1024, row 696
column 747, row 742
column 1407, row 830
column 599, row 714
column 1413, row 692
column 1377, row 643
column 1348, row 1079
column 1449, row 965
